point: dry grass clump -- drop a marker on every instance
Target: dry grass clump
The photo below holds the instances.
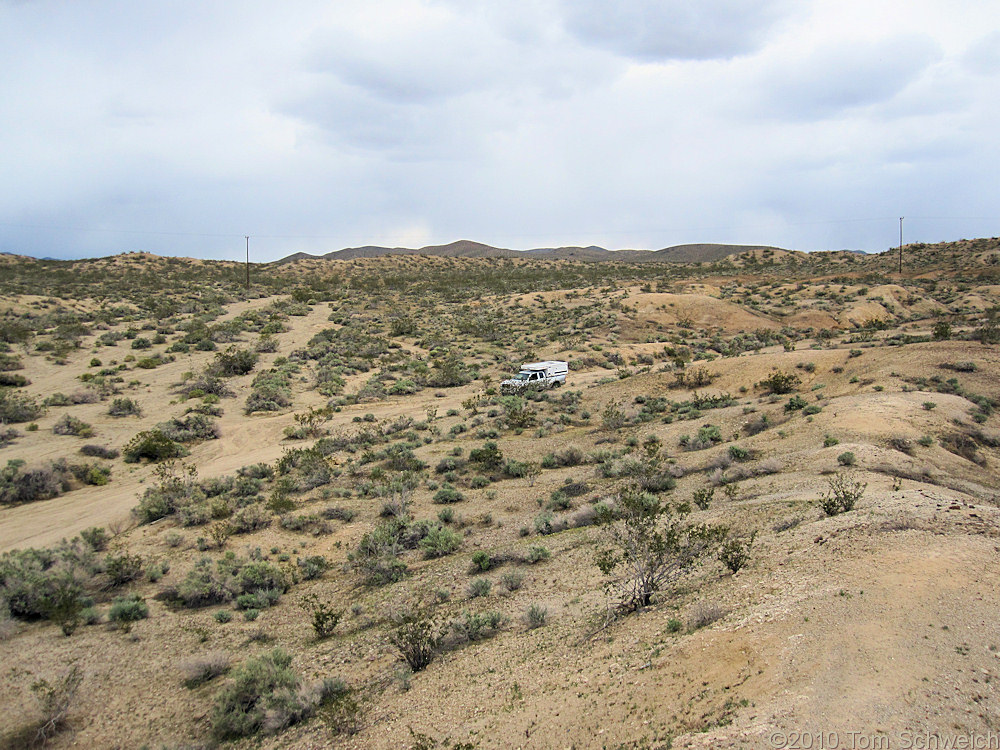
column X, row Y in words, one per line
column 703, row 613
column 200, row 669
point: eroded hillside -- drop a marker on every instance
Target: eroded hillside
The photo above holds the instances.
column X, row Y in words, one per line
column 305, row 516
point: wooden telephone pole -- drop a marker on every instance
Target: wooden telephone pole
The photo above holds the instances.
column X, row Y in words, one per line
column 247, row 236
column 901, row 244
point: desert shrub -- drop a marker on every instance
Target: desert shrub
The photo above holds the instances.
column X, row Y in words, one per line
column 122, row 568
column 440, row 541
column 648, row 544
column 559, row 500
column 474, row 626
column 260, row 575
column 739, row 454
column 99, row 451
column 735, row 552
column 846, row 458
column 24, row 485
column 512, row 580
column 704, row 614
column 18, row 407
column 205, row 585
column 54, row 701
column 313, row 566
column 655, row 481
column 128, row 609
column 198, row 670
column 613, row 417
column 124, row 407
column 189, row 428
column 418, row 640
column 482, row 561
column 535, row 616
column 96, row 537
column 377, row 554
column 250, row 518
column 569, row 456
column 265, row 694
column 92, row 474
column 779, row 382
column 323, row 615
column 258, row 600
column 795, row 403
column 152, row 445
column 757, row 425
column 449, row 464
column 480, row 587
column 448, row 372
column 338, row 513
column 205, row 384
column 546, row 524
column 488, row 456
column 703, row 497
column 9, row 380
column 941, row 330
column 448, row 494
column 844, row 493
column 232, row 362
column 307, row 468
column 537, row 553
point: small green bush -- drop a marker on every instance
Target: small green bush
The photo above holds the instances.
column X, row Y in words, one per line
column 480, row 587
column 440, row 541
column 481, row 561
column 538, row 553
column 128, row 609
column 448, row 494
column 152, row 445
column 535, row 616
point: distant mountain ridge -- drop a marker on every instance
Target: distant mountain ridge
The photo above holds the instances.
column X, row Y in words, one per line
column 692, row 253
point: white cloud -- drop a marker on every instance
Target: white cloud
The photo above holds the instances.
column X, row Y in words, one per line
column 315, row 126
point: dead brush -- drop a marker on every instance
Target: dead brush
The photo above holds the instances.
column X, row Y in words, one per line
column 703, row 613
column 198, row 670
column 901, row 521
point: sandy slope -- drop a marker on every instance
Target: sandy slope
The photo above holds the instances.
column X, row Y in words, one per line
column 878, row 621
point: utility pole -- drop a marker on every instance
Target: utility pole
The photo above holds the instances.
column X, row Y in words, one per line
column 900, row 245
column 247, row 236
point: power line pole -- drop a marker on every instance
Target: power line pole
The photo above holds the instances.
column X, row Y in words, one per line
column 901, row 244
column 247, row 236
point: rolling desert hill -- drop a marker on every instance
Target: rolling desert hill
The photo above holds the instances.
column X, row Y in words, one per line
column 304, row 514
column 698, row 253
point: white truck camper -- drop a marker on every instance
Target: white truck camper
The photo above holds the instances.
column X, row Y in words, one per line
column 535, row 376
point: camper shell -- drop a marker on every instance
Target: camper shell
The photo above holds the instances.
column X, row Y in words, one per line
column 537, row 375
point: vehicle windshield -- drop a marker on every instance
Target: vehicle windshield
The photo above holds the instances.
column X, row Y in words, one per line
column 522, row 376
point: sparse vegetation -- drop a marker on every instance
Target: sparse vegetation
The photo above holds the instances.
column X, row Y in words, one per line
column 394, row 499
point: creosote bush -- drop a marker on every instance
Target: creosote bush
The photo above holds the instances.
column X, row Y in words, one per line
column 418, row 640
column 735, row 552
column 844, row 493
column 649, row 544
column 324, row 616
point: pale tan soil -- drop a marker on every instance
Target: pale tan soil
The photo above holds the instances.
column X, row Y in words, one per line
column 878, row 620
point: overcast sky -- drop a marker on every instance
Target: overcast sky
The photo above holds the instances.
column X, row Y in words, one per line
column 178, row 127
